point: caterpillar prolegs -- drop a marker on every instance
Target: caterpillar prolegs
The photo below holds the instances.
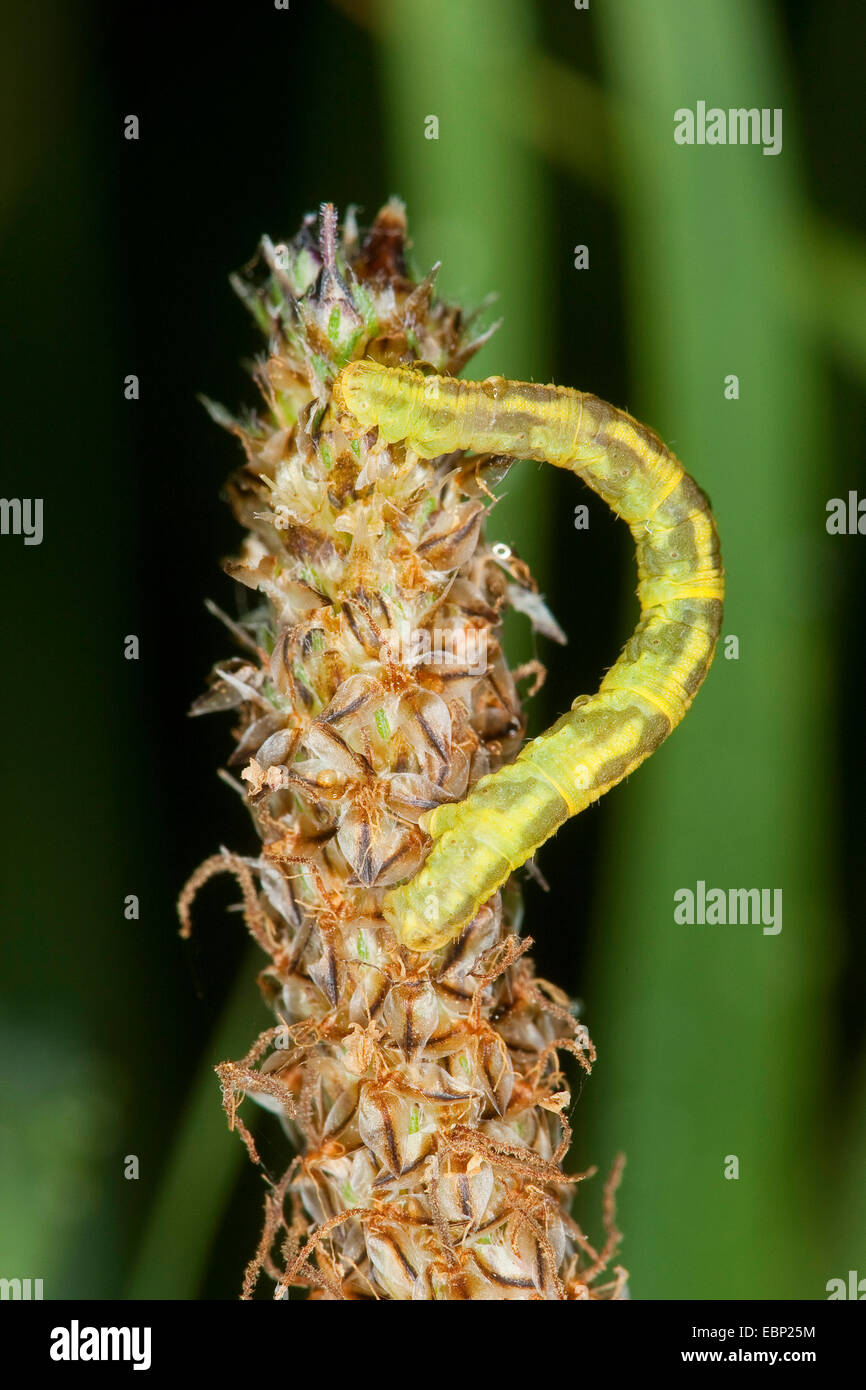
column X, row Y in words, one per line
column 508, row 814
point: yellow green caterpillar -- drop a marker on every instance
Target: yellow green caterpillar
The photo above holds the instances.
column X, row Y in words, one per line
column 478, row 842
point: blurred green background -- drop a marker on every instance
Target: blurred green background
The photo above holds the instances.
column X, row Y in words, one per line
column 555, row 130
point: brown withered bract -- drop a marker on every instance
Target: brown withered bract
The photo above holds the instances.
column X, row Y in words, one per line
column 423, row 1093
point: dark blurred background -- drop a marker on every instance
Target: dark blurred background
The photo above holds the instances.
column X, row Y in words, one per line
column 555, row 130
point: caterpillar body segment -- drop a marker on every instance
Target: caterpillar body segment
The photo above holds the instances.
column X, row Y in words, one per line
column 508, row 814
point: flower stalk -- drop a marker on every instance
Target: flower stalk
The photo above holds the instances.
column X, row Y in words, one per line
column 423, row 1092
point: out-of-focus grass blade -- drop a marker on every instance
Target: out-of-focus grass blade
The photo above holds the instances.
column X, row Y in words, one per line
column 476, row 196
column 834, row 294
column 570, row 127
column 848, row 1232
column 711, row 1037
column 202, row 1167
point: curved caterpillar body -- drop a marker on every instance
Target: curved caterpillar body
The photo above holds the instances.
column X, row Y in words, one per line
column 510, row 813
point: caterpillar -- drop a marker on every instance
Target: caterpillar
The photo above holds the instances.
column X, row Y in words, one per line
column 508, row 814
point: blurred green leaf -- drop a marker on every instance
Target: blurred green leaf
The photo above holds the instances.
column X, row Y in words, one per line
column 567, row 118
column 477, row 198
column 203, row 1164
column 712, row 1039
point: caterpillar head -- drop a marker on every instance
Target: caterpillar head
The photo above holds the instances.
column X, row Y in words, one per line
column 377, row 395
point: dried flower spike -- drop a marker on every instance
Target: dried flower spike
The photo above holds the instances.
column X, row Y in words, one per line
column 423, row 1091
